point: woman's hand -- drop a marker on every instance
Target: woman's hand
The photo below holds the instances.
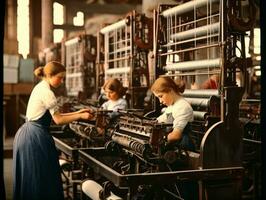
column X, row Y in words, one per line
column 100, row 131
column 86, row 115
column 89, row 110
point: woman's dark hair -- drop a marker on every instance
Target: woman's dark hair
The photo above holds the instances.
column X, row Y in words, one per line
column 166, row 84
column 115, row 85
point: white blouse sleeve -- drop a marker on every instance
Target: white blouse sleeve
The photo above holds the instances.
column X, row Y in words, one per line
column 104, row 105
column 162, row 118
column 182, row 115
column 121, row 105
column 50, row 102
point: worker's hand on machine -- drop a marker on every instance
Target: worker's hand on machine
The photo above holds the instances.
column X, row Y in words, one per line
column 86, row 113
column 89, row 110
column 100, row 131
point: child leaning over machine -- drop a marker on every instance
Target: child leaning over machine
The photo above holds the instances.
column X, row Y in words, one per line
column 114, row 92
column 178, row 110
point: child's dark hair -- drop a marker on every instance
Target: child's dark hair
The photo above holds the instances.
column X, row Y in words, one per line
column 115, row 85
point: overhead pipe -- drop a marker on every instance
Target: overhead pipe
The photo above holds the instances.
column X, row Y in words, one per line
column 186, row 7
column 193, row 65
column 201, row 93
column 114, row 26
column 118, row 70
column 197, row 32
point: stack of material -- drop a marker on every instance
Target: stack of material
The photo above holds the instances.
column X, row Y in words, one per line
column 11, row 66
column 17, row 69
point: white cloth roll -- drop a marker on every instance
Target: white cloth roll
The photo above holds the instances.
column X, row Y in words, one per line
column 92, row 189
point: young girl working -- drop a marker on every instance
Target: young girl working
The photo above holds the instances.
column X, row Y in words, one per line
column 178, row 110
column 114, row 91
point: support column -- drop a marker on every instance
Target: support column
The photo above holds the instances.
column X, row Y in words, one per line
column 10, row 36
column 47, row 23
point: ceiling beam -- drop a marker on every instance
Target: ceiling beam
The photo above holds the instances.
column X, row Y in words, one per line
column 116, row 8
column 68, row 27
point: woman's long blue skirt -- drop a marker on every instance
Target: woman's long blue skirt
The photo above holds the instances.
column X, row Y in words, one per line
column 36, row 170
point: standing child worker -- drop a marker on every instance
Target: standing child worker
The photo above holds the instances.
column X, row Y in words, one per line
column 36, row 170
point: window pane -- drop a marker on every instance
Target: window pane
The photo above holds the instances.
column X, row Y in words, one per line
column 58, row 14
column 58, row 35
column 23, row 27
column 79, row 19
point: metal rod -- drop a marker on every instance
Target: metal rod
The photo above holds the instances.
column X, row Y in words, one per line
column 193, row 73
column 193, row 65
column 118, row 70
column 171, row 43
column 173, row 194
column 119, row 41
column 186, row 7
column 125, row 49
column 196, row 32
column 201, row 93
column 199, row 102
column 252, row 141
column 117, row 59
column 114, row 26
column 223, row 47
column 190, row 49
column 194, row 21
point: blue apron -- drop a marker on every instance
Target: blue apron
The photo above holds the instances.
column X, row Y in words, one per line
column 185, row 142
column 36, row 170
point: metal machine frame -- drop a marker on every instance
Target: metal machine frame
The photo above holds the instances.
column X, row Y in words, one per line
column 193, row 39
column 125, row 45
column 80, row 57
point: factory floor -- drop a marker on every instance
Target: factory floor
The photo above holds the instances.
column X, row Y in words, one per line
column 8, row 146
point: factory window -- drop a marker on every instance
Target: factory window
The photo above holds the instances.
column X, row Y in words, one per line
column 257, row 70
column 256, row 44
column 58, row 35
column 247, row 43
column 58, row 19
column 23, row 27
column 257, row 40
column 58, row 14
column 79, row 19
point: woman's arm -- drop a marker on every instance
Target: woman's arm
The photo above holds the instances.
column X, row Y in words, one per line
column 65, row 118
column 175, row 135
column 79, row 111
column 182, row 114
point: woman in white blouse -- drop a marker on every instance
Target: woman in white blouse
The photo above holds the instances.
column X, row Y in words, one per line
column 36, row 170
column 178, row 110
